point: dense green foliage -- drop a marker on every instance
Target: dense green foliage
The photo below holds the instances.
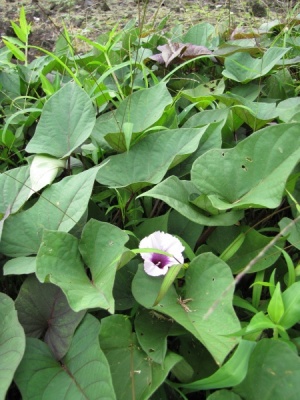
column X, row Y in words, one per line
column 194, row 134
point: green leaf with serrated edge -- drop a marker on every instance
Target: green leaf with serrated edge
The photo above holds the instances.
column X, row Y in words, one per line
column 206, row 279
column 145, row 163
column 273, row 372
column 12, row 343
column 73, row 123
column 131, row 369
column 60, row 207
column 43, row 311
column 276, row 306
column 230, row 374
column 175, row 193
column 241, row 67
column 83, row 373
column 152, row 330
column 259, row 175
column 291, row 302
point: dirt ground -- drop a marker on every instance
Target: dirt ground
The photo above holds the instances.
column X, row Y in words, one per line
column 92, row 17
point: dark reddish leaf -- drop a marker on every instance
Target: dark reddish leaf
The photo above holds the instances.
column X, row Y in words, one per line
column 43, row 311
column 176, row 53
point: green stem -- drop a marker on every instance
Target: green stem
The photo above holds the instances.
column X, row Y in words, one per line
column 114, row 76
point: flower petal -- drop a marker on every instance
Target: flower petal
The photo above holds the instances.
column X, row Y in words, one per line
column 165, row 242
column 153, row 270
column 172, row 245
column 152, row 241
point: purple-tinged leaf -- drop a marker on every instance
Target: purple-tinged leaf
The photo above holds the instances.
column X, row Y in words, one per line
column 43, row 311
column 177, row 53
column 82, row 374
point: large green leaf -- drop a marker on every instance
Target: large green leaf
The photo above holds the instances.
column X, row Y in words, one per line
column 132, row 371
column 82, row 374
column 273, row 374
column 149, row 160
column 101, row 247
column 141, row 109
column 289, row 110
column 43, row 311
column 196, row 364
column 241, row 67
column 184, row 228
column 12, row 343
column 152, row 330
column 208, row 281
column 59, row 259
column 60, row 207
column 252, row 174
column 67, row 120
column 253, row 113
column 176, row 194
column 211, row 139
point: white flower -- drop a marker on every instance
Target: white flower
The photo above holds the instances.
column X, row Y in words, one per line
column 156, row 264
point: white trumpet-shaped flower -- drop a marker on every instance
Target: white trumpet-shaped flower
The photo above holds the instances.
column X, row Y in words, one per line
column 156, row 264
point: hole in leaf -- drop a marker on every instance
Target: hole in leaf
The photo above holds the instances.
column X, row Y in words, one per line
column 244, row 167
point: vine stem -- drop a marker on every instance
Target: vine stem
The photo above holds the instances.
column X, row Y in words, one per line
column 249, row 266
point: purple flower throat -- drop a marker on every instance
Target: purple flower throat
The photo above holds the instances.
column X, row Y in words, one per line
column 160, row 260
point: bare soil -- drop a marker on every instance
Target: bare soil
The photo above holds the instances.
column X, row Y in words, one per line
column 92, row 17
